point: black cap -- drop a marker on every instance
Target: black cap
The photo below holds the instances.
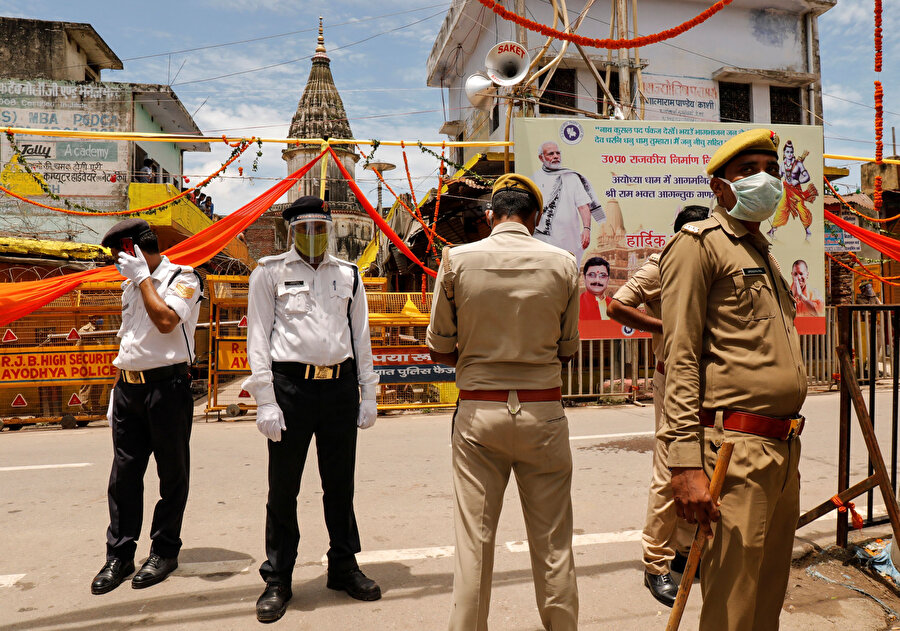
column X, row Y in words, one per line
column 308, row 206
column 129, row 228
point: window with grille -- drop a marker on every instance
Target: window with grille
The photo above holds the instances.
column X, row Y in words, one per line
column 785, row 105
column 734, row 102
column 613, row 89
column 560, row 91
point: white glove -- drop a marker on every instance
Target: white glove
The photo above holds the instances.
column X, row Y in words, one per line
column 270, row 421
column 368, row 412
column 112, row 400
column 133, row 267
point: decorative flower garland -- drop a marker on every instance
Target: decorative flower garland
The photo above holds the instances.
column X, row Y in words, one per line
column 856, row 212
column 74, row 208
column 456, row 165
column 611, row 44
column 877, row 35
column 863, row 272
column 415, row 215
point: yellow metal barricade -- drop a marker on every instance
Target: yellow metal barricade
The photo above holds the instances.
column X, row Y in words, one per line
column 397, row 322
column 56, row 363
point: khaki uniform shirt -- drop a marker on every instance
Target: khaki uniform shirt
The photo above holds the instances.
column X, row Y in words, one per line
column 643, row 289
column 728, row 331
column 509, row 305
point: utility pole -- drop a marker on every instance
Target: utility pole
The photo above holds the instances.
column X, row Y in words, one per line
column 624, row 57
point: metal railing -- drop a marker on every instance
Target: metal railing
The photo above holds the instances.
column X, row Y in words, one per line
column 624, row 368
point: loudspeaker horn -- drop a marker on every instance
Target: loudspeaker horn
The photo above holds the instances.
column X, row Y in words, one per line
column 480, row 91
column 507, row 63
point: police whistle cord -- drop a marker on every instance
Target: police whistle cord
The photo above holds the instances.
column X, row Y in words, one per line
column 73, row 208
column 693, row 560
column 610, row 44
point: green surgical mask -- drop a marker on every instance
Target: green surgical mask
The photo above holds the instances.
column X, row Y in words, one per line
column 311, row 246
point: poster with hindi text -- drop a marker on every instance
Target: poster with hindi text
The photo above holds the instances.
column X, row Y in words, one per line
column 612, row 190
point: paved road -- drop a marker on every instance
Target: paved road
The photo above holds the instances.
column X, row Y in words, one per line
column 54, row 517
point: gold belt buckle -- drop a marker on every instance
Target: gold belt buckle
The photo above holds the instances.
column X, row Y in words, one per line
column 323, row 372
column 796, row 427
column 133, row 376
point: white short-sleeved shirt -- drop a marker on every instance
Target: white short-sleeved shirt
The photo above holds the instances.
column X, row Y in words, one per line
column 142, row 346
column 299, row 314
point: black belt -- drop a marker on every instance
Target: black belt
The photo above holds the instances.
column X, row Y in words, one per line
column 155, row 374
column 298, row 370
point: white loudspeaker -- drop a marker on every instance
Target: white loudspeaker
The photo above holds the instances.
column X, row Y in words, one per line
column 480, row 91
column 507, row 63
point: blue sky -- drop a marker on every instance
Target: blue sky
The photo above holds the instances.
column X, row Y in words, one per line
column 382, row 79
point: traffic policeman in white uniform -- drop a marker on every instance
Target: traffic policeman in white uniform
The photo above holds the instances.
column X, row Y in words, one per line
column 311, row 361
column 151, row 407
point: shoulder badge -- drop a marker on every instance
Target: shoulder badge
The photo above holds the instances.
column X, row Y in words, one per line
column 654, row 257
column 184, row 291
column 691, row 228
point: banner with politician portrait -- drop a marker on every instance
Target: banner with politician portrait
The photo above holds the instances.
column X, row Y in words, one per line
column 612, row 190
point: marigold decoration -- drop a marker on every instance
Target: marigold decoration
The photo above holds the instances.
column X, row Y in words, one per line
column 241, row 171
column 856, row 212
column 74, row 208
column 611, row 44
column 877, row 35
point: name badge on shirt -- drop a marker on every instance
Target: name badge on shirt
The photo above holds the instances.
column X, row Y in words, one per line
column 754, row 271
column 294, row 283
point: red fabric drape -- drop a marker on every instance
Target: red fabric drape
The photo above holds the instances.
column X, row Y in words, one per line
column 886, row 245
column 379, row 221
column 19, row 299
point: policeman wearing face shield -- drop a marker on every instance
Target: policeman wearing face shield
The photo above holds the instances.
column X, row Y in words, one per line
column 734, row 371
column 311, row 360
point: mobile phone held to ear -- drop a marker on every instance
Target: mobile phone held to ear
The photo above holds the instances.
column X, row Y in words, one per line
column 128, row 245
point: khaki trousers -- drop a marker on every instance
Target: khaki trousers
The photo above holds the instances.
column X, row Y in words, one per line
column 746, row 566
column 488, row 442
column 664, row 533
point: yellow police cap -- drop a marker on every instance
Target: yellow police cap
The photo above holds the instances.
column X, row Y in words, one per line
column 764, row 140
column 515, row 181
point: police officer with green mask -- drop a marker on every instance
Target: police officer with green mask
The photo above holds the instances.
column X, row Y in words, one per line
column 311, row 360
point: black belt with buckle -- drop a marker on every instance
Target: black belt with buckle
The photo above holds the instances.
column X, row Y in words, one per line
column 155, row 374
column 311, row 372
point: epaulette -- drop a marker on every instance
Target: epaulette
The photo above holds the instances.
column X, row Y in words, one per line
column 699, row 227
column 654, row 257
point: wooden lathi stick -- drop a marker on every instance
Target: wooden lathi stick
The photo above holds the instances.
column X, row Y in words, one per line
column 693, row 560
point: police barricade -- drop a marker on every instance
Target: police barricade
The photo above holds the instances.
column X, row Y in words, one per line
column 56, row 363
column 397, row 322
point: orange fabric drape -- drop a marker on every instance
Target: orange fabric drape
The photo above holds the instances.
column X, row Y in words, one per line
column 19, row 299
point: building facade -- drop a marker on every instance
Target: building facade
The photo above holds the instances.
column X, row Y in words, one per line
column 751, row 62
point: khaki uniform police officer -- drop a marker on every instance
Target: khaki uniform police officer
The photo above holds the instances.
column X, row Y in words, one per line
column 505, row 313
column 734, row 371
column 150, row 407
column 664, row 536
column 311, row 361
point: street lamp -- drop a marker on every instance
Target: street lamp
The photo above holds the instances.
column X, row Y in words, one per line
column 379, row 168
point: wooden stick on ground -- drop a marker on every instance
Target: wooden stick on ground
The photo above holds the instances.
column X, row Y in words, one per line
column 693, row 560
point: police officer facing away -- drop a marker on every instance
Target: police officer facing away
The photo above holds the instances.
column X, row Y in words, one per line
column 311, row 361
column 505, row 313
column 151, row 407
column 734, row 372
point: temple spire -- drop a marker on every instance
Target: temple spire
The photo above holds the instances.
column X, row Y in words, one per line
column 320, row 47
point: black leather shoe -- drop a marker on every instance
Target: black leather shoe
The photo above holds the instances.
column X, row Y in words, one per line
column 111, row 576
column 662, row 587
column 153, row 571
column 679, row 563
column 272, row 604
column 355, row 583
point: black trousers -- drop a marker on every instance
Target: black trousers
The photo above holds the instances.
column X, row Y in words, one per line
column 152, row 418
column 328, row 410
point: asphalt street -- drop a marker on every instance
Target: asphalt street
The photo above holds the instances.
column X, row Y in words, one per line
column 54, row 516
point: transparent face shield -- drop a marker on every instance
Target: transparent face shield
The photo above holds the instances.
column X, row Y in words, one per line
column 310, row 236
